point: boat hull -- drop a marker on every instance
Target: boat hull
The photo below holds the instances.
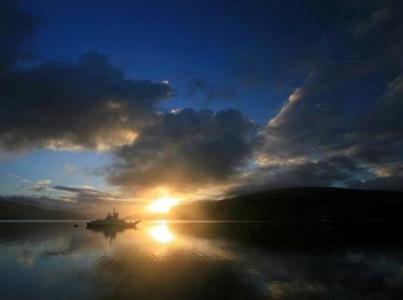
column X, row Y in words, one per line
column 96, row 224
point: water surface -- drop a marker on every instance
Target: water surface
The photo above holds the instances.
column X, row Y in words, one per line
column 161, row 260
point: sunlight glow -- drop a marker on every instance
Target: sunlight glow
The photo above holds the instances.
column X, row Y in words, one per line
column 161, row 233
column 163, row 204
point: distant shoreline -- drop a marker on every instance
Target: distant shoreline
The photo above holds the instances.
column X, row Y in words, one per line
column 42, row 221
column 208, row 221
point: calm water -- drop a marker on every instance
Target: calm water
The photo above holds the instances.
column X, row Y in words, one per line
column 196, row 261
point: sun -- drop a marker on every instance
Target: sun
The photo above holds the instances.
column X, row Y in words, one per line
column 163, row 204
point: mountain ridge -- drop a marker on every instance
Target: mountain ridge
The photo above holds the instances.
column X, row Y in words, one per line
column 300, row 204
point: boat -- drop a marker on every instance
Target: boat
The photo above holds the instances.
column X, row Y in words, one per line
column 112, row 221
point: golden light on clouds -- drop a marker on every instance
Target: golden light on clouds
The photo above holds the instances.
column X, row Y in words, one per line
column 102, row 142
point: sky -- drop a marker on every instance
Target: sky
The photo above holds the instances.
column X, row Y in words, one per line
column 127, row 100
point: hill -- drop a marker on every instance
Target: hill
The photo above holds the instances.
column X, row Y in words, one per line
column 18, row 211
column 300, row 204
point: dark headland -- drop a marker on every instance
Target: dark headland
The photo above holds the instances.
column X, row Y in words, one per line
column 302, row 218
column 300, row 204
column 10, row 210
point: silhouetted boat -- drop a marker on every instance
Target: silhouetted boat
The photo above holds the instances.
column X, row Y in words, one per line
column 112, row 221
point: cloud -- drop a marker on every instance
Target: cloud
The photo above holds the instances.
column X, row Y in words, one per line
column 387, row 177
column 83, row 104
column 381, row 131
column 41, row 185
column 186, row 149
column 305, row 125
column 83, row 194
column 322, row 135
column 80, row 198
column 67, row 105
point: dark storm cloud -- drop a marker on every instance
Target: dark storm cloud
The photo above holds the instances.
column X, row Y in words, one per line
column 381, row 131
column 87, row 104
column 185, row 149
column 84, row 104
column 322, row 120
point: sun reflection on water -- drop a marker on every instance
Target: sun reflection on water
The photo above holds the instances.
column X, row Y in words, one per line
column 160, row 233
